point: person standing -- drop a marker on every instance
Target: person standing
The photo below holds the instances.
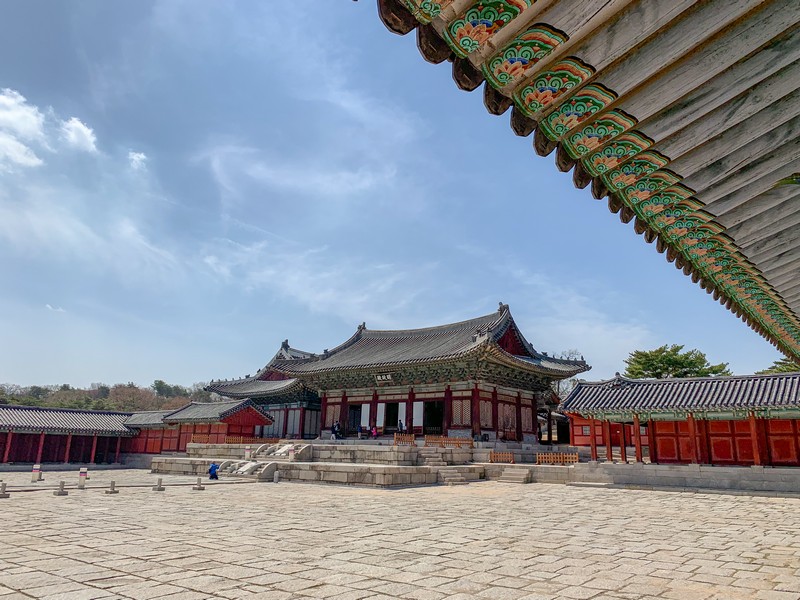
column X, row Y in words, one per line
column 400, row 428
column 212, row 471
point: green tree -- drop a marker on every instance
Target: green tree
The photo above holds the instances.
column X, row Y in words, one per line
column 670, row 361
column 782, row 365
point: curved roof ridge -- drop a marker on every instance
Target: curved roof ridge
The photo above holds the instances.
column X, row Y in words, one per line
column 65, row 409
column 650, row 380
column 495, row 319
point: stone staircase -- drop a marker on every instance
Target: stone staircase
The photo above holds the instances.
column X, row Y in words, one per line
column 515, row 475
column 451, row 476
column 430, row 457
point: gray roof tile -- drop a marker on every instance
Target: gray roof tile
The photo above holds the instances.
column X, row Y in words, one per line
column 63, row 420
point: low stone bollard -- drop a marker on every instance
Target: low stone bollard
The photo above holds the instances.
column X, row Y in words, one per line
column 113, row 489
column 276, row 476
column 158, row 487
column 3, row 493
column 248, row 452
column 61, row 491
column 83, row 476
column 36, row 474
column 199, row 487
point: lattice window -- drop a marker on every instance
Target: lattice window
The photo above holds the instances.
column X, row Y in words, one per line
column 461, row 410
column 527, row 419
column 508, row 416
column 332, row 414
column 486, row 414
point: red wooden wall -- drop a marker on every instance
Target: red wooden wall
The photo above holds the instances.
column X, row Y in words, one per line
column 581, row 433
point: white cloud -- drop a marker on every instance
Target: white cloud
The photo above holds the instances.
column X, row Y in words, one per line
column 54, row 308
column 18, row 118
column 14, row 152
column 137, row 160
column 78, row 135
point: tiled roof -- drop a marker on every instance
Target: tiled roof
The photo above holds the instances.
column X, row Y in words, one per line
column 210, row 412
column 379, row 349
column 151, row 418
column 251, row 387
column 63, row 420
column 682, row 113
column 711, row 394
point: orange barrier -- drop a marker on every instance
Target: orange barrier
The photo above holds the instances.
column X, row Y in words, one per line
column 501, row 457
column 556, row 458
column 404, row 439
column 233, row 439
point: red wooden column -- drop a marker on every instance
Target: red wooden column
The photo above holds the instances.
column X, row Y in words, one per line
column 94, row 449
column 66, row 450
column 40, row 449
column 116, row 454
column 693, row 437
column 519, row 417
column 652, row 447
column 623, row 454
column 448, row 409
column 344, row 414
column 495, row 412
column 7, row 451
column 637, row 438
column 323, row 415
column 607, row 436
column 373, row 410
column 476, row 410
column 550, row 427
column 757, row 458
column 592, row 438
column 410, row 411
column 302, row 424
column 285, row 423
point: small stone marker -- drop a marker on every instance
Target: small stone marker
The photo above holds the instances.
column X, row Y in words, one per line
column 61, row 491
column 199, row 487
column 36, row 474
column 83, row 475
column 276, row 476
column 158, row 487
column 248, row 451
column 112, row 489
column 3, row 493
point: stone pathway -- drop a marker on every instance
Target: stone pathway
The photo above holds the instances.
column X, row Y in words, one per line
column 485, row 541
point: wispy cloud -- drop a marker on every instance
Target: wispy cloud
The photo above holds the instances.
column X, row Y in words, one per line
column 54, row 308
column 78, row 135
column 137, row 160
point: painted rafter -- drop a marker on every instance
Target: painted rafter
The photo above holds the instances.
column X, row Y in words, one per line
column 641, row 99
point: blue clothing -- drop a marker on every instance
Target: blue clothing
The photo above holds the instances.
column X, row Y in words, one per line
column 212, row 471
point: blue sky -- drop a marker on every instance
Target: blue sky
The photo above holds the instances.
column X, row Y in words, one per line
column 183, row 185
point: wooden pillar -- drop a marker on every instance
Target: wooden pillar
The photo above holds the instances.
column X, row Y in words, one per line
column 373, row 410
column 757, row 458
column 623, row 454
column 448, row 410
column 637, row 438
column 94, row 449
column 705, row 443
column 302, row 425
column 161, row 442
column 519, row 417
column 592, row 437
column 476, row 410
column 344, row 414
column 40, row 448
column 323, row 411
column 409, row 422
column 607, row 436
column 550, row 426
column 693, row 437
column 69, row 445
column 7, row 451
column 495, row 413
column 285, row 423
column 105, row 450
column 652, row 446
column 116, row 453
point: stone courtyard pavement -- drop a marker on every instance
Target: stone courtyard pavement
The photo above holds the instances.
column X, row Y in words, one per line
column 485, row 540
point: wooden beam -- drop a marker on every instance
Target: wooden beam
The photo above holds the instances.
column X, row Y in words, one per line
column 607, row 436
column 7, row 450
column 67, row 449
column 466, row 76
column 757, row 458
column 592, row 437
column 396, row 17
column 495, row 102
column 637, row 438
column 432, row 47
column 599, row 189
column 564, row 162
column 542, row 144
column 521, row 124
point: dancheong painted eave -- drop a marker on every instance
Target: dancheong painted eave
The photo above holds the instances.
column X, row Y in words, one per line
column 684, row 113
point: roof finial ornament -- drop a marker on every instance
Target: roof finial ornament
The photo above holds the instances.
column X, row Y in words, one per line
column 502, row 307
column 285, row 344
column 616, row 374
column 363, row 326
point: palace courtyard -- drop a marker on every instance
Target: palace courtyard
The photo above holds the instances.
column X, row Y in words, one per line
column 484, row 540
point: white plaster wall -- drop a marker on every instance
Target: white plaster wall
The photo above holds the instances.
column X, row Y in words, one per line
column 401, row 414
column 381, row 414
column 365, row 416
column 418, row 413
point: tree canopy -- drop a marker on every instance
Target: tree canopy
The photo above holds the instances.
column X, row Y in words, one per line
column 671, row 361
column 782, row 365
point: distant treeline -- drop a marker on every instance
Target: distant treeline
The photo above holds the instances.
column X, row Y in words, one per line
column 99, row 396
